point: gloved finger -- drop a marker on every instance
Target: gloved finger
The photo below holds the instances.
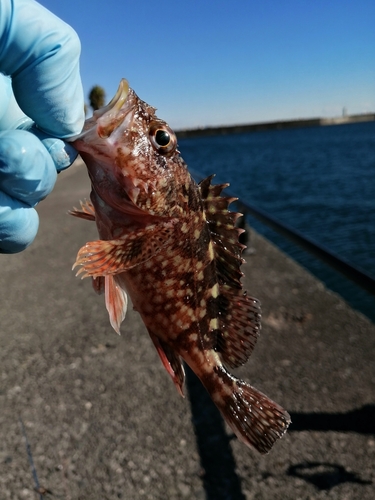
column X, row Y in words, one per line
column 41, row 53
column 18, row 224
column 27, row 171
column 62, row 153
column 11, row 115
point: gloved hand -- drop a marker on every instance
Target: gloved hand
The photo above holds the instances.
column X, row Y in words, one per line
column 40, row 55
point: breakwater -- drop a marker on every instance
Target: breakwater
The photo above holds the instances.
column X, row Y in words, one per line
column 275, row 125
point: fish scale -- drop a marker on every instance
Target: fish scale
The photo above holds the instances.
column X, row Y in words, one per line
column 172, row 246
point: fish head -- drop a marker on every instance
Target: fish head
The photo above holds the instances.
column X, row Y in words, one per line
column 131, row 155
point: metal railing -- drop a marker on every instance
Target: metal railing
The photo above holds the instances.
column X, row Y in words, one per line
column 351, row 272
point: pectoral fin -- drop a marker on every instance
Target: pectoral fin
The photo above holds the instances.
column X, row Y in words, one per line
column 102, row 257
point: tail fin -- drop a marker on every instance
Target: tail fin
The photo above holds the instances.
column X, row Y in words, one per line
column 254, row 418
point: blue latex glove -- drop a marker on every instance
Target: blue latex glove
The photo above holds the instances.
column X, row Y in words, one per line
column 40, row 55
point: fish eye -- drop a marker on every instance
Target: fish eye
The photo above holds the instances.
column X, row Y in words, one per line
column 162, row 138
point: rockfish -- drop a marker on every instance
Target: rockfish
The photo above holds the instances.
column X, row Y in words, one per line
column 172, row 245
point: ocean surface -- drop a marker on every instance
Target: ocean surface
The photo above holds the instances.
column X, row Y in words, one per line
column 318, row 180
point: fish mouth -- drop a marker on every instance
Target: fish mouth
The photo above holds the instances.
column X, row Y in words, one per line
column 116, row 102
column 109, row 117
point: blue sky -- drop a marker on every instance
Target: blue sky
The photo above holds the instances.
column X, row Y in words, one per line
column 204, row 62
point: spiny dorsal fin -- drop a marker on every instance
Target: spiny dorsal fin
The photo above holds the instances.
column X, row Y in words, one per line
column 239, row 315
column 224, row 234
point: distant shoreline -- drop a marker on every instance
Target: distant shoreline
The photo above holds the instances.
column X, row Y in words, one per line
column 277, row 125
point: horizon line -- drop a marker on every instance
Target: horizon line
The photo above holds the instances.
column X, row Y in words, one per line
column 276, row 124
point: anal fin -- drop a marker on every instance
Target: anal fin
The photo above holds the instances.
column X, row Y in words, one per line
column 171, row 362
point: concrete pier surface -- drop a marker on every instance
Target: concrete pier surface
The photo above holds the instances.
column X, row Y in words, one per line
column 103, row 420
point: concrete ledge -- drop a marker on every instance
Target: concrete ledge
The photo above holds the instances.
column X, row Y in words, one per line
column 104, row 421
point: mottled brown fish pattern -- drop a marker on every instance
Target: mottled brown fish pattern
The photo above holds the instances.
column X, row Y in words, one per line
column 172, row 246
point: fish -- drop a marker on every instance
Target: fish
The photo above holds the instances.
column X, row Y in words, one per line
column 172, row 245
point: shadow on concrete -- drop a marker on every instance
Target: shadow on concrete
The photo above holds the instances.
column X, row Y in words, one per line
column 218, row 465
column 216, row 458
column 324, row 475
column 361, row 421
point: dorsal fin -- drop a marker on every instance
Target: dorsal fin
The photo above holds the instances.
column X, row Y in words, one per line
column 224, row 234
column 239, row 326
column 239, row 315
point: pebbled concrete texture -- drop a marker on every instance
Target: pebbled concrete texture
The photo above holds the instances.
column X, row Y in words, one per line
column 104, row 421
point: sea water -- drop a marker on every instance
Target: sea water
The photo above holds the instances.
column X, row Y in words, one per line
column 318, row 180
